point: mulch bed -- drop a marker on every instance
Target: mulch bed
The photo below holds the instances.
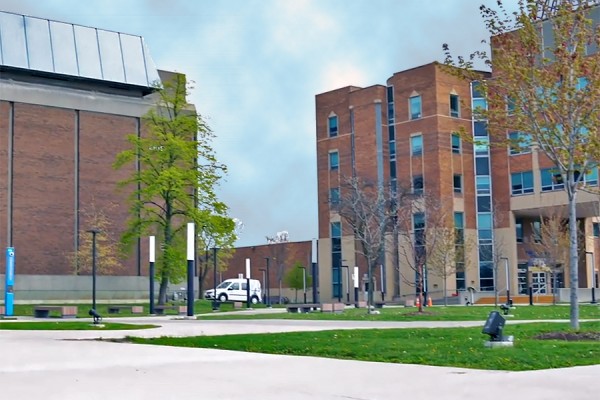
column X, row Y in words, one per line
column 569, row 336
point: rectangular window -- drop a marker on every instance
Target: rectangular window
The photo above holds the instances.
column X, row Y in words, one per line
column 392, row 133
column 482, row 166
column 333, row 126
column 415, row 107
column 482, row 146
column 519, row 230
column 591, row 178
column 454, row 106
column 476, row 90
column 334, row 160
column 551, row 180
column 510, row 105
column 459, row 220
column 537, row 231
column 483, row 184
column 393, row 169
column 596, row 229
column 457, row 183
column 484, row 204
column 417, row 184
column 334, row 195
column 520, row 143
column 521, row 183
column 416, row 145
column 456, row 143
column 336, row 229
column 480, row 128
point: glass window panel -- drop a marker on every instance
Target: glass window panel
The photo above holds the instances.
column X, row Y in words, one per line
column 476, row 89
column 334, row 160
column 455, row 143
column 486, row 270
column 110, row 56
column 485, row 252
column 591, row 178
column 12, row 32
column 457, row 183
column 419, row 220
column 63, row 48
column 333, row 126
column 484, row 220
column 133, row 58
column 454, row 106
column 519, row 230
column 482, row 166
column 479, row 105
column 416, row 144
column 392, row 133
column 391, row 112
column 334, row 195
column 336, row 229
column 459, row 220
column 483, row 184
column 415, row 107
column 390, row 94
column 484, row 235
column 484, row 204
column 393, row 169
column 88, row 56
column 481, row 145
column 336, row 244
column 152, row 72
column 38, row 44
column 480, row 128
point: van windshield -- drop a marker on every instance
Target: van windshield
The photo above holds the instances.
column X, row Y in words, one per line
column 223, row 285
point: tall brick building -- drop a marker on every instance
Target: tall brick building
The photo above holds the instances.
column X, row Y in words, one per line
column 404, row 134
column 69, row 95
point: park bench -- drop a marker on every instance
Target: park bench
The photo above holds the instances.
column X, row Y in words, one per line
column 333, row 307
column 63, row 311
column 301, row 308
column 114, row 309
column 160, row 310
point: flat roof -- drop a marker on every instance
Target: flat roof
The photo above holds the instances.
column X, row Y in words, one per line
column 59, row 48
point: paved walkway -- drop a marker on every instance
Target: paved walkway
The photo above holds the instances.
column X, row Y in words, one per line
column 41, row 365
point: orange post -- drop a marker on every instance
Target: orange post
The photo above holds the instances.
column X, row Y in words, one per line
column 418, row 301
column 429, row 302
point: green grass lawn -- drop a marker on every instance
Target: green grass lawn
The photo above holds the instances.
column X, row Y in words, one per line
column 457, row 347
column 436, row 313
column 69, row 326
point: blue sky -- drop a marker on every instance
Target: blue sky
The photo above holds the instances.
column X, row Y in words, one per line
column 257, row 66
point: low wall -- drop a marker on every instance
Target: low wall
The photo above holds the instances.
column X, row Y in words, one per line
column 65, row 288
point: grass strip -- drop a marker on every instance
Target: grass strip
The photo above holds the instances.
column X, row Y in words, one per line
column 455, row 347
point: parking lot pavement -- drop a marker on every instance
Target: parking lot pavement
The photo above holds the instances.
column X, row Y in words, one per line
column 39, row 365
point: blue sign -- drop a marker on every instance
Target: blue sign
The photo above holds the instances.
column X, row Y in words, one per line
column 9, row 295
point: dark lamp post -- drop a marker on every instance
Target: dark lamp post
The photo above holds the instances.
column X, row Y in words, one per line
column 267, row 285
column 94, row 232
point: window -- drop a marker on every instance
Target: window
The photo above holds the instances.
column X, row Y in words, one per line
column 482, row 166
column 521, row 183
column 456, row 143
column 454, row 106
column 459, row 228
column 591, row 178
column 482, row 146
column 596, row 229
column 333, row 126
column 415, row 107
column 334, row 160
column 537, row 231
column 484, row 227
column 334, row 195
column 520, row 143
column 483, row 184
column 510, row 105
column 416, row 145
column 551, row 180
column 480, row 128
column 417, row 184
column 457, row 183
column 484, row 204
column 519, row 230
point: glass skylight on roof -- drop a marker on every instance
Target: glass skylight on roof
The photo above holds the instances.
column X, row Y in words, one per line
column 66, row 49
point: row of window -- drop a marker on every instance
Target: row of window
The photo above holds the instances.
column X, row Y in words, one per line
column 415, row 107
column 522, row 182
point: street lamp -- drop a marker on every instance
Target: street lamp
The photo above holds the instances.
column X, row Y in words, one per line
column 304, row 282
column 264, row 280
column 267, row 285
column 347, row 283
column 215, row 303
column 508, row 301
column 94, row 232
column 593, row 277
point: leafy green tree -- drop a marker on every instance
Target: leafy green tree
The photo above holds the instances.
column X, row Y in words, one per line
column 175, row 181
column 546, row 84
column 297, row 278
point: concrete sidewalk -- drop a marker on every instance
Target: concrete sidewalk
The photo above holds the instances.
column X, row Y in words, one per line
column 40, row 365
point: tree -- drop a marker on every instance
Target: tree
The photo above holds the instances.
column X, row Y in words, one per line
column 297, row 279
column 546, row 85
column 220, row 233
column 107, row 249
column 175, row 182
column 371, row 212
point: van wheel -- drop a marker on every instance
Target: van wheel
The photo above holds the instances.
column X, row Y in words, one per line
column 254, row 300
column 222, row 297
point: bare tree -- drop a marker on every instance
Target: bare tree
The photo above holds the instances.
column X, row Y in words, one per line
column 370, row 210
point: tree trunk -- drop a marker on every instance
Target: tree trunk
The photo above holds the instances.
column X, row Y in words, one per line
column 445, row 290
column 573, row 257
column 370, row 291
column 420, row 285
column 162, row 291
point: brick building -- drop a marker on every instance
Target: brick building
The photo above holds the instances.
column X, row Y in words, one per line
column 404, row 134
column 69, row 95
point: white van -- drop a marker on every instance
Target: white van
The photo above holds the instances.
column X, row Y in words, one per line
column 235, row 290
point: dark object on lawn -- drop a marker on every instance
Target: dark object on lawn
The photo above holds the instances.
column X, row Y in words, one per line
column 97, row 317
column 493, row 326
column 505, row 308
